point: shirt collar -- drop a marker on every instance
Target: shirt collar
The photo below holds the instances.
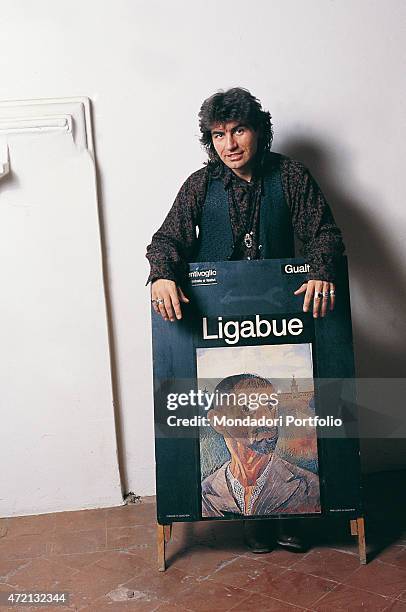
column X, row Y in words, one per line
column 238, row 490
column 230, row 178
column 260, row 481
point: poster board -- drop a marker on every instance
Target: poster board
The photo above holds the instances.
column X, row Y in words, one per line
column 244, row 331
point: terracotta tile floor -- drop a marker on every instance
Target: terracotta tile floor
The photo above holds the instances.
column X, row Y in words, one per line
column 106, row 560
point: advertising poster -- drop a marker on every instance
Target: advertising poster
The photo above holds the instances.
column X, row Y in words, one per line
column 254, row 399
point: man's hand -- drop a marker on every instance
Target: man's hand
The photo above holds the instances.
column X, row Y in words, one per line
column 166, row 297
column 319, row 294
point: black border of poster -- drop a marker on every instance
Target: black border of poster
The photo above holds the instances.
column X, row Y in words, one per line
column 245, row 288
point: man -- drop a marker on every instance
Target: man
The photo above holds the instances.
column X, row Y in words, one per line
column 256, row 480
column 243, row 173
column 245, row 203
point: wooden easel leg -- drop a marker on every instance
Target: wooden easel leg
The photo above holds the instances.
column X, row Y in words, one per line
column 361, row 541
column 358, row 529
column 168, row 532
column 161, row 547
column 164, row 533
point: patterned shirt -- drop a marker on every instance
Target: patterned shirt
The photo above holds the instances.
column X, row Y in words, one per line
column 238, row 491
column 173, row 245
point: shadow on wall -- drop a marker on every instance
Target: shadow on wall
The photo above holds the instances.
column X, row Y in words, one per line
column 378, row 276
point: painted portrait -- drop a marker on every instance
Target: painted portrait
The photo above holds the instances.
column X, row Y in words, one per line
column 252, row 462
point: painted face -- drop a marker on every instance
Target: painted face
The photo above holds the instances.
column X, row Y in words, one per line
column 236, row 144
column 261, row 439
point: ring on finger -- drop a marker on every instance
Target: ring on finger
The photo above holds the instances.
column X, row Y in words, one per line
column 332, row 292
column 326, row 294
column 318, row 295
column 159, row 301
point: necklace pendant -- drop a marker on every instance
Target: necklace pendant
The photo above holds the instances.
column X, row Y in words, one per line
column 248, row 240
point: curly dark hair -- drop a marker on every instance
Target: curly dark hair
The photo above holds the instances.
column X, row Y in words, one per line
column 236, row 104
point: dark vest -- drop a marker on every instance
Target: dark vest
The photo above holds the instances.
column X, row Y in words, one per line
column 216, row 242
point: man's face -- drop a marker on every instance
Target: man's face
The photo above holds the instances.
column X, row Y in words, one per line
column 261, row 439
column 236, row 145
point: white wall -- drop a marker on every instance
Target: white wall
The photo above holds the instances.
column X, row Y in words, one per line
column 332, row 75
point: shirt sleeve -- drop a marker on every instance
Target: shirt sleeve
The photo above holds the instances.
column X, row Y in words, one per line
column 313, row 221
column 173, row 244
